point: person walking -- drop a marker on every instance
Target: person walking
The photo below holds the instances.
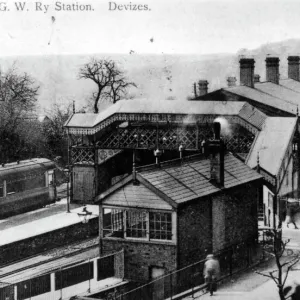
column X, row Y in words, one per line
column 290, row 213
column 211, row 273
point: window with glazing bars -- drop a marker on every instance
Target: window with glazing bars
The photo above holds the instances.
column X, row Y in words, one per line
column 136, row 224
column 160, row 226
column 117, row 219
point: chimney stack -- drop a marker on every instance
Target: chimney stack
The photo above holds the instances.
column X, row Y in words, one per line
column 293, row 67
column 216, row 152
column 203, row 87
column 247, row 72
column 272, row 69
column 256, row 78
column 231, row 81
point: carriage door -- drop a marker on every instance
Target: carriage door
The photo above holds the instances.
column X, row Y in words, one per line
column 158, row 285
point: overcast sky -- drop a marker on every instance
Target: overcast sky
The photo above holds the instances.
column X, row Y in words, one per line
column 176, row 26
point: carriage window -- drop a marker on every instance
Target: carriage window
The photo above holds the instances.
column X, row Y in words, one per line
column 1, row 192
column 160, row 226
column 12, row 187
column 50, row 178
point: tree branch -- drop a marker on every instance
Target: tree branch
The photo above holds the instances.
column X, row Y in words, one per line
column 109, row 79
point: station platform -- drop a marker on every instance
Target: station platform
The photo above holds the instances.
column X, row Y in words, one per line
column 20, row 230
column 50, row 210
column 36, row 232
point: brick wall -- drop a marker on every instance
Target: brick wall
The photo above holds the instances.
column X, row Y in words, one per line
column 235, row 216
column 218, row 225
column 194, row 231
column 50, row 240
column 141, row 256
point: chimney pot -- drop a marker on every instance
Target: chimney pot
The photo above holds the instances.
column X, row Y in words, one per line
column 231, row 81
column 272, row 69
column 203, row 87
column 247, row 72
column 293, row 67
column 256, row 78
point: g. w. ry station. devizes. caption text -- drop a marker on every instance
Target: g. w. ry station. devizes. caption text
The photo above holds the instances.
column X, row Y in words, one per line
column 39, row 6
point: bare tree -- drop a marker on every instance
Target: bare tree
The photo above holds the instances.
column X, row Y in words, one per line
column 118, row 86
column 277, row 250
column 109, row 78
column 18, row 96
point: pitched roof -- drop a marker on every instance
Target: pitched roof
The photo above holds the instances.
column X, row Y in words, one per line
column 290, row 84
column 279, row 91
column 262, row 95
column 137, row 196
column 284, row 96
column 180, row 183
column 272, row 143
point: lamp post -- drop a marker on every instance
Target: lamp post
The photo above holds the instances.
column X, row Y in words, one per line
column 85, row 216
column 67, row 172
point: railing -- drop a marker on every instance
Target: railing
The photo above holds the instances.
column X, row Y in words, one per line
column 190, row 278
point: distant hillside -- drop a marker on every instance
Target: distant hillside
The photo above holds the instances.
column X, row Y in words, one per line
column 158, row 77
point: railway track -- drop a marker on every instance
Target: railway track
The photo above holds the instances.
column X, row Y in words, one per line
column 73, row 253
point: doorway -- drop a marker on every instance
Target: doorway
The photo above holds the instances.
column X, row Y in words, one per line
column 158, row 285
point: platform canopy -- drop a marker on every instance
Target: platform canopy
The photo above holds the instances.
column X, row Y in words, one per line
column 175, row 112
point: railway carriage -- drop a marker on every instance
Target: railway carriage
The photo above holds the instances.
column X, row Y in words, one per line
column 26, row 185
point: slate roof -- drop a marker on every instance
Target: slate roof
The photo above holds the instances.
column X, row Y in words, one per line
column 272, row 143
column 263, row 95
column 252, row 115
column 276, row 132
column 290, row 84
column 180, row 183
column 284, row 96
column 279, row 91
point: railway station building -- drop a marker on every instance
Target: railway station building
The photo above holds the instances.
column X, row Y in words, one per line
column 102, row 145
column 276, row 97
